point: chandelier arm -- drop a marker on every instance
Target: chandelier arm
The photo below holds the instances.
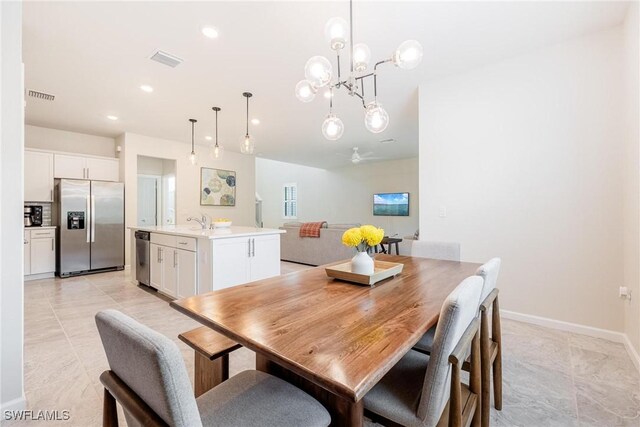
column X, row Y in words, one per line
column 375, row 77
column 338, row 61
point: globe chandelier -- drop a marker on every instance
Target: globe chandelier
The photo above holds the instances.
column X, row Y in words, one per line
column 319, row 73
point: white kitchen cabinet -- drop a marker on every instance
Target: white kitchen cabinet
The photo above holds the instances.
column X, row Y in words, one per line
column 27, row 253
column 173, row 270
column 265, row 257
column 230, row 259
column 68, row 166
column 245, row 259
column 103, row 169
column 38, row 176
column 81, row 167
column 42, row 248
column 155, row 266
column 186, row 274
column 169, row 279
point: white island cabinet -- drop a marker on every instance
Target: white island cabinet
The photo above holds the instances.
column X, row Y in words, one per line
column 185, row 260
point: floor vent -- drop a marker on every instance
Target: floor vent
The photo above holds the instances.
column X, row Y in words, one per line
column 41, row 95
column 166, row 58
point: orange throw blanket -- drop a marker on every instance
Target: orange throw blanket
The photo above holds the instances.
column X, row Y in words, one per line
column 311, row 229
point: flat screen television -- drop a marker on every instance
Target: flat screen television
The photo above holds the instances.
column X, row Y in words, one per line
column 391, row 204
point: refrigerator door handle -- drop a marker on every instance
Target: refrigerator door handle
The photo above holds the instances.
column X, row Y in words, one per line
column 93, row 218
column 88, row 219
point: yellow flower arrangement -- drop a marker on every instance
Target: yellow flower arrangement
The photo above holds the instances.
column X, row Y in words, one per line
column 363, row 237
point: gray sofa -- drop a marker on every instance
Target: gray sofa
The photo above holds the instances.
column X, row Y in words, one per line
column 311, row 250
column 329, row 248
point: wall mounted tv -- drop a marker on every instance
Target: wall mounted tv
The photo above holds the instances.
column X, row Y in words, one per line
column 391, row 204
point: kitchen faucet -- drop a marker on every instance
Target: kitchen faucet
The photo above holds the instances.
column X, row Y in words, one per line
column 202, row 221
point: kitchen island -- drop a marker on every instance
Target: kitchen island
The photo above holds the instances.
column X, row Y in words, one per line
column 187, row 260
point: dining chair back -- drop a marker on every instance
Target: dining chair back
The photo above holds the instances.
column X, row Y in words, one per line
column 458, row 311
column 151, row 366
column 489, row 272
column 447, row 251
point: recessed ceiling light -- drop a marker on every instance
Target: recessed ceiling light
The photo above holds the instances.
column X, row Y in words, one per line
column 210, row 32
column 112, row 117
column 208, row 138
column 255, row 121
column 146, row 88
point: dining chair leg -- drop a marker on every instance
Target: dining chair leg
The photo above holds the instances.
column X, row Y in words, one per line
column 109, row 410
column 496, row 335
column 475, row 380
column 485, row 368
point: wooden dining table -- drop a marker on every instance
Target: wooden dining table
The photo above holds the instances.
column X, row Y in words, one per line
column 333, row 339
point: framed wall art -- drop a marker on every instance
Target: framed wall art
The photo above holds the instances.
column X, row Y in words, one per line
column 217, row 187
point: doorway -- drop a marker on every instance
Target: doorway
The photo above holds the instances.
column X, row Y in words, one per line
column 149, row 190
column 156, row 191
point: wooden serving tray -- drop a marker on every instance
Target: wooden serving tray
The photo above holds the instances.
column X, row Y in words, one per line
column 381, row 270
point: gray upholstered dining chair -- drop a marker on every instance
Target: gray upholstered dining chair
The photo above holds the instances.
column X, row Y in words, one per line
column 149, row 379
column 418, row 389
column 490, row 345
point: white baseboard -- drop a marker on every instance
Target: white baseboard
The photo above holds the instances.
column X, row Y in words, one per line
column 606, row 334
column 14, row 405
column 635, row 357
column 564, row 326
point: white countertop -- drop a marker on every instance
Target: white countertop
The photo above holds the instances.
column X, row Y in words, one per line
column 220, row 233
column 43, row 227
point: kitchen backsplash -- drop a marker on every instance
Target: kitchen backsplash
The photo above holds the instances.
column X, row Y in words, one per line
column 46, row 211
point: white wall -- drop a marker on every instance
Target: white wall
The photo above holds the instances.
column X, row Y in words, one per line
column 632, row 178
column 187, row 180
column 343, row 195
column 72, row 142
column 526, row 155
column 11, row 196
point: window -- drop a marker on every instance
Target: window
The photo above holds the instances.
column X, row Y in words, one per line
column 290, row 201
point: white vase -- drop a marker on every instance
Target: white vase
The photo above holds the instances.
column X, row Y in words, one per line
column 362, row 263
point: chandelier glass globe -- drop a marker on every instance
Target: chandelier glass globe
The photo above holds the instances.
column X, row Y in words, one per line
column 361, row 57
column 332, row 128
column 408, row 55
column 305, row 91
column 217, row 151
column 247, row 144
column 318, row 71
column 376, row 118
column 336, row 31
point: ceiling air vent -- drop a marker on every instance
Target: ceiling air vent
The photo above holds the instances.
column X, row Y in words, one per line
column 387, row 141
column 166, row 59
column 41, row 95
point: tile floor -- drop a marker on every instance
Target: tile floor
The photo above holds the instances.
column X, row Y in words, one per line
column 551, row 378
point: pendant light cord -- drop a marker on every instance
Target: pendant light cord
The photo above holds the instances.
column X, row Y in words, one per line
column 247, row 116
column 216, row 128
column 193, row 124
column 351, row 34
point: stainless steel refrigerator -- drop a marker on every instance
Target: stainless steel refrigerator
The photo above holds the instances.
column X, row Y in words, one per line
column 90, row 220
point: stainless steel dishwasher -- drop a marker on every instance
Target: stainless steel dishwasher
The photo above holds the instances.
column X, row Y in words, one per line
column 143, row 255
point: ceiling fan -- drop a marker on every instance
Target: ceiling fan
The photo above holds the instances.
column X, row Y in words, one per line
column 357, row 158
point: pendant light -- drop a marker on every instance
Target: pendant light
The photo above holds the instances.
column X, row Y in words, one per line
column 193, row 159
column 247, row 143
column 217, row 150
